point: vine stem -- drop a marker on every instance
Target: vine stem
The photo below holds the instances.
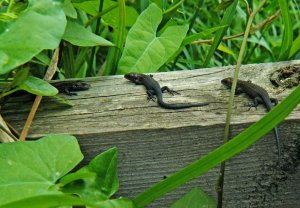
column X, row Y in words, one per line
column 220, row 182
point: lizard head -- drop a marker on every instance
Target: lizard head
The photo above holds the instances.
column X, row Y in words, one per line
column 132, row 76
column 227, row 81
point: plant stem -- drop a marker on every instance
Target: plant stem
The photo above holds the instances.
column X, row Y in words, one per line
column 8, row 92
column 220, row 183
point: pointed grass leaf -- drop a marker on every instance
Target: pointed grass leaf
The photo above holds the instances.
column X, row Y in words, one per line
column 295, row 47
column 229, row 14
column 145, row 51
column 28, row 35
column 32, row 168
column 38, row 86
column 288, row 30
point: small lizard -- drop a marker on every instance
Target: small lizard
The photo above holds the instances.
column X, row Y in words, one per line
column 67, row 87
column 259, row 96
column 153, row 88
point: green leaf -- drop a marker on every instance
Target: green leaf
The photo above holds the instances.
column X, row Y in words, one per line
column 28, row 35
column 45, row 201
column 227, row 19
column 110, row 18
column 196, row 198
column 295, row 47
column 239, row 143
column 227, row 50
column 288, row 30
column 223, row 5
column 194, row 37
column 96, row 181
column 80, row 36
column 144, row 51
column 38, row 86
column 169, row 14
column 31, row 169
column 69, row 9
column 20, row 77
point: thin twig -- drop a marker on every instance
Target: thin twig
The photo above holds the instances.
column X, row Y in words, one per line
column 252, row 30
column 48, row 76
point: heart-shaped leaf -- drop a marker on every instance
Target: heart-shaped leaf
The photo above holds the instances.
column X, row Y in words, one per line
column 32, row 168
column 145, row 51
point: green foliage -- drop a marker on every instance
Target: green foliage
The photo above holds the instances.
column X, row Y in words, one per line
column 74, row 33
column 32, row 175
column 144, row 51
column 196, row 198
column 226, row 21
column 38, row 86
column 288, row 30
column 32, row 168
column 30, row 84
column 28, row 35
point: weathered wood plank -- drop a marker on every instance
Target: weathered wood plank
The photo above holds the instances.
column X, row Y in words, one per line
column 155, row 142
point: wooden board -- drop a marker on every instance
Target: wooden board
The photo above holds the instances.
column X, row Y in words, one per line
column 155, row 142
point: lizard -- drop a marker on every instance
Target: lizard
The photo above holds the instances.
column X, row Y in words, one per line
column 153, row 88
column 67, row 87
column 259, row 96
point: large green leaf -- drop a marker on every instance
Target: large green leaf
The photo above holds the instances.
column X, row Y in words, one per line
column 239, row 143
column 40, row 26
column 196, row 198
column 144, row 51
column 31, row 169
column 80, row 36
column 97, row 181
column 64, row 201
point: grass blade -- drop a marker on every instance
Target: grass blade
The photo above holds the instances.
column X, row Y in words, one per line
column 288, row 30
column 227, row 19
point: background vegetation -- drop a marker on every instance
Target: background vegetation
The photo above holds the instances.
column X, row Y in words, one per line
column 92, row 35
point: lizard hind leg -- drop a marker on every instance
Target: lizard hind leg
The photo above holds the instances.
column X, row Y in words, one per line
column 274, row 101
column 172, row 92
column 255, row 103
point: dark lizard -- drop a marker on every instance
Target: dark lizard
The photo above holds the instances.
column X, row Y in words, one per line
column 67, row 87
column 259, row 96
column 153, row 88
